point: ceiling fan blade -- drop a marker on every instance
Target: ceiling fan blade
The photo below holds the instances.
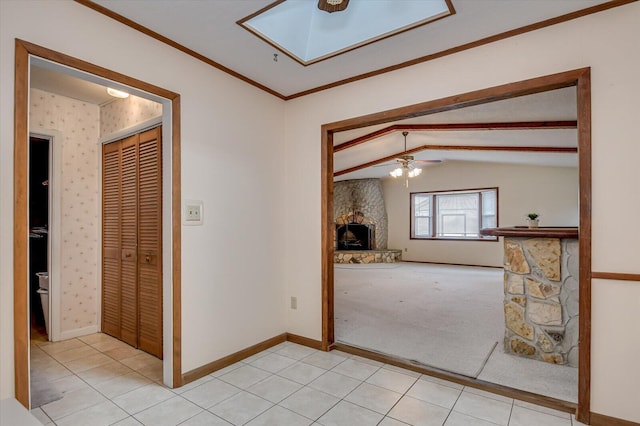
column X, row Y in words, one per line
column 385, row 165
column 427, row 161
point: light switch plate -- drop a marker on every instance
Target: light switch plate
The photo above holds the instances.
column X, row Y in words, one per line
column 192, row 212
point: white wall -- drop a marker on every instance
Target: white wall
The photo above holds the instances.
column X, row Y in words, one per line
column 606, row 42
column 552, row 192
column 232, row 273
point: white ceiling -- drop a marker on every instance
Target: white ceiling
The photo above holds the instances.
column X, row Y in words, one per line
column 63, row 84
column 209, row 28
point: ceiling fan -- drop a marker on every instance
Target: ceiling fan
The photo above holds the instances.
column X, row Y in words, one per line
column 407, row 164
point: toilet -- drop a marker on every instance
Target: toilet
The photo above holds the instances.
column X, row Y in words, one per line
column 43, row 291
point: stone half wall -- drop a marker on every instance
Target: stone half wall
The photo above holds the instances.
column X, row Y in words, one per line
column 365, row 196
column 541, row 299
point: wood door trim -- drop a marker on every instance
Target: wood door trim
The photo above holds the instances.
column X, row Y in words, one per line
column 20, row 226
column 20, row 175
column 584, row 246
column 581, row 79
column 176, row 241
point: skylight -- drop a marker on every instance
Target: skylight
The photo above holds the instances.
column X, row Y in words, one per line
column 307, row 34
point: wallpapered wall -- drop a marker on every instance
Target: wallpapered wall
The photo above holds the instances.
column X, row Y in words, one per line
column 79, row 124
column 123, row 113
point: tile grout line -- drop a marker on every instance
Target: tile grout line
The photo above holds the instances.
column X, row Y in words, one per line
column 131, row 370
column 399, row 399
column 276, row 374
column 454, row 404
column 93, row 388
column 511, row 412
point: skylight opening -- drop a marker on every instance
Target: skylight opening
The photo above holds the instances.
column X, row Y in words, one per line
column 307, row 34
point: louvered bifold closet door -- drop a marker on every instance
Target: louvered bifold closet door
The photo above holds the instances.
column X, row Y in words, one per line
column 150, row 242
column 132, row 241
column 129, row 241
column 111, row 239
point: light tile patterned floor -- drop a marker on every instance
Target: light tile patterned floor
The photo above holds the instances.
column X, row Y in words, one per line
column 106, row 382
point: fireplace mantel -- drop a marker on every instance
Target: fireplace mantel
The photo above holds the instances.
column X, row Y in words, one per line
column 525, row 232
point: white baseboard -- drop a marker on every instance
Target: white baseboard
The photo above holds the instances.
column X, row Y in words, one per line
column 78, row 332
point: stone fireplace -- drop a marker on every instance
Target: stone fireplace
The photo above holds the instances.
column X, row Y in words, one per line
column 360, row 233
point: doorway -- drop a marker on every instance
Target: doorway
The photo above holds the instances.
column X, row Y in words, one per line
column 24, row 53
column 39, row 247
column 442, row 305
column 580, row 79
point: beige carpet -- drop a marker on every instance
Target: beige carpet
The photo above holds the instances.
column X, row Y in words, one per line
column 444, row 316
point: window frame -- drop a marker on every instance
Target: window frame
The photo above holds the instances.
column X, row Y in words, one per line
column 434, row 217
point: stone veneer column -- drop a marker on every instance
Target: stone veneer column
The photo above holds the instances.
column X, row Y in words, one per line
column 541, row 298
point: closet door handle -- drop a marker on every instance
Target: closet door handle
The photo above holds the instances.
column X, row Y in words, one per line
column 147, row 259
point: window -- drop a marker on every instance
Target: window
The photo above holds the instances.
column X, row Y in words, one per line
column 454, row 214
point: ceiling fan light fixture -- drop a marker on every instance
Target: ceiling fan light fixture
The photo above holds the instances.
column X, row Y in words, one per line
column 396, row 172
column 407, row 168
column 414, row 172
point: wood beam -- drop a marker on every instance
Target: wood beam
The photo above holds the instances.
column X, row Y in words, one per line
column 519, row 125
column 554, row 149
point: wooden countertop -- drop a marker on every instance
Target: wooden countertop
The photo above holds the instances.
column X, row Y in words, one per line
column 525, row 232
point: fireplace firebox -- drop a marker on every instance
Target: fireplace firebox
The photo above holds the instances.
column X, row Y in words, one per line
column 355, row 236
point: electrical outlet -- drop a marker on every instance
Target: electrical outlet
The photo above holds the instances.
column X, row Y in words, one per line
column 294, row 302
column 192, row 213
column 405, row 249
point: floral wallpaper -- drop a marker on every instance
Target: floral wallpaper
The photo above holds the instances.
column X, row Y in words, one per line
column 123, row 113
column 79, row 124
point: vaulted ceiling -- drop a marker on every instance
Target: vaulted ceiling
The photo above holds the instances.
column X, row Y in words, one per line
column 537, row 129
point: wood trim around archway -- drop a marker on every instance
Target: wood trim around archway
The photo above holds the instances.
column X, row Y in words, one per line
column 581, row 79
column 23, row 50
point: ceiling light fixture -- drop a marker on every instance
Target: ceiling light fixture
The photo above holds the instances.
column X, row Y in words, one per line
column 333, row 5
column 406, row 168
column 117, row 93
